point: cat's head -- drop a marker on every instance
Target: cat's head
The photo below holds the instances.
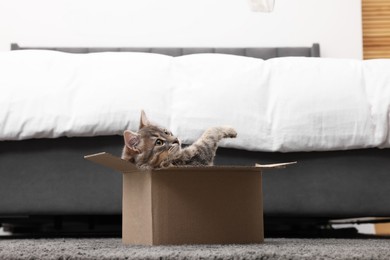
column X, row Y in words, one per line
column 150, row 147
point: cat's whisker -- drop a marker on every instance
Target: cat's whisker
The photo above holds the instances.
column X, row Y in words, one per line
column 174, row 147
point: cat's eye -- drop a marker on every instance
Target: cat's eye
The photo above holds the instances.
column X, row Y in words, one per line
column 159, row 142
column 167, row 132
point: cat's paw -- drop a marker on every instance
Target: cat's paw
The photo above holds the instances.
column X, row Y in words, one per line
column 145, row 167
column 166, row 164
column 229, row 132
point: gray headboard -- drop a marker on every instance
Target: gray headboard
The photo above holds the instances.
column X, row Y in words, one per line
column 263, row 53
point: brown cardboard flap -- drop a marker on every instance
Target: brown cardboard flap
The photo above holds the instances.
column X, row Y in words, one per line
column 123, row 166
column 274, row 165
column 112, row 162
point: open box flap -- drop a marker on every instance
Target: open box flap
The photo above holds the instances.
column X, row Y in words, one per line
column 123, row 166
column 112, row 162
column 274, row 165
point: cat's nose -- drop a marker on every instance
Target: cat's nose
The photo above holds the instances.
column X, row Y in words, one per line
column 176, row 141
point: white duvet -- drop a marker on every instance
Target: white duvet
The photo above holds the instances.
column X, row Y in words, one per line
column 281, row 104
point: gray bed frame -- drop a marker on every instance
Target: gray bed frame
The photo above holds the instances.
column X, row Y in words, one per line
column 49, row 177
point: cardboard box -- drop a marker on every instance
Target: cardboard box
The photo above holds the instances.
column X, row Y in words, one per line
column 190, row 205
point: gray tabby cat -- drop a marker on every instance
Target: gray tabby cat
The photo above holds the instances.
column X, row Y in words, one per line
column 155, row 147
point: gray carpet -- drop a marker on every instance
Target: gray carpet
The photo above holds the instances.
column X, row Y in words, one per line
column 272, row 249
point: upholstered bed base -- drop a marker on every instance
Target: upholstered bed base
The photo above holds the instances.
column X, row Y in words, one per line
column 50, row 177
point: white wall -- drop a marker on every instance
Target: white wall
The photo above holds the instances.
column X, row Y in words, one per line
column 335, row 24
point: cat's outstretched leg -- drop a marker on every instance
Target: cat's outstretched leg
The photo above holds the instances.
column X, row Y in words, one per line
column 202, row 152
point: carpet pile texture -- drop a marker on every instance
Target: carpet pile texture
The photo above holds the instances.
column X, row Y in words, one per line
column 112, row 248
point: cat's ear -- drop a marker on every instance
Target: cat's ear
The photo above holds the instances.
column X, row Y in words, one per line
column 131, row 141
column 144, row 120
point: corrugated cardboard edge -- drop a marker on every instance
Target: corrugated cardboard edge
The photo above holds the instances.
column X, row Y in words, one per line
column 274, row 165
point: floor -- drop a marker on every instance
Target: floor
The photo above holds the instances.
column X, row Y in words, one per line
column 272, row 248
column 111, row 227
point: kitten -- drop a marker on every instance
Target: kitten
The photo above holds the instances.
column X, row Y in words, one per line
column 155, row 147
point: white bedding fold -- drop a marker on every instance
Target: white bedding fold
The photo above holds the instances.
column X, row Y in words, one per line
column 281, row 104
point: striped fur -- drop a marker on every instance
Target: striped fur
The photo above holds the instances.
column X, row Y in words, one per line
column 155, row 147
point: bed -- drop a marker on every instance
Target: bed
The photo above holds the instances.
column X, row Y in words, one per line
column 43, row 176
